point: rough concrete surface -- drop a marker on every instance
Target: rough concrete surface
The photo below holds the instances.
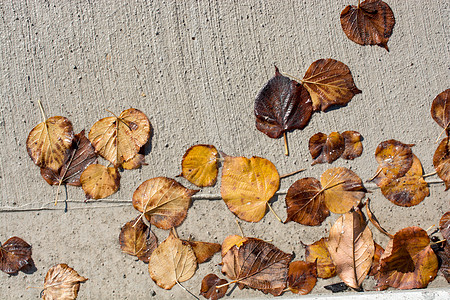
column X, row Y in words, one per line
column 195, row 68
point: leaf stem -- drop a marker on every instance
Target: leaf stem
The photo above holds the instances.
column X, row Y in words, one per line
column 187, row 291
column 295, row 78
column 41, row 108
column 291, row 174
column 442, row 132
column 274, row 213
column 227, row 284
column 239, row 226
column 286, row 149
column 429, row 228
column 375, row 176
column 429, row 174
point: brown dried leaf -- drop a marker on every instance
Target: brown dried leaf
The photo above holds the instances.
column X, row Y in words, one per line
column 134, row 163
column 15, row 254
column 352, row 248
column 440, row 109
column 209, row 290
column 137, row 239
column 119, row 139
column 164, row 201
column 49, row 142
column 394, row 158
column 444, row 226
column 408, row 261
column 326, row 149
column 441, row 161
column 376, row 260
column 369, row 23
column 282, row 105
column 353, row 145
column 199, row 165
column 99, row 181
column 62, row 282
column 78, row 158
column 302, row 277
column 258, row 265
column 329, row 82
column 204, row 251
column 319, row 252
column 247, row 186
column 173, row 261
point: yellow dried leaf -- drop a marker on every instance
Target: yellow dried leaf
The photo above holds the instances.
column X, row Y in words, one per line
column 319, row 252
column 99, row 181
column 199, row 165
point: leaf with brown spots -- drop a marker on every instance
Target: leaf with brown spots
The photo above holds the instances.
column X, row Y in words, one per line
column 353, row 146
column 204, row 251
column 119, row 139
column 394, row 158
column 49, row 142
column 318, row 252
column 440, row 110
column 99, row 181
column 326, row 149
column 15, row 254
column 302, row 277
column 376, row 260
column 330, row 83
column 199, row 165
column 163, row 201
column 369, row 23
column 209, row 284
column 441, row 161
column 247, row 186
column 137, row 239
column 62, row 282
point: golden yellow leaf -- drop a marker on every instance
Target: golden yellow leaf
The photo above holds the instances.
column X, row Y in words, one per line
column 99, row 181
column 62, row 283
column 199, row 165
column 230, row 241
column 319, row 252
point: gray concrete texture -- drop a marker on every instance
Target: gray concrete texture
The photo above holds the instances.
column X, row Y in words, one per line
column 195, row 68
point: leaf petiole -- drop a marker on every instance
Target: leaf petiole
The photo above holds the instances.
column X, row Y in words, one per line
column 274, row 213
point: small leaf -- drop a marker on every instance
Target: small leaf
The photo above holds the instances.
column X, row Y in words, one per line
column 441, row 161
column 62, row 282
column 99, row 181
column 204, row 251
column 15, row 254
column 440, row 110
column 394, row 158
column 199, row 165
column 302, row 277
column 330, row 83
column 326, row 149
column 209, row 290
column 134, row 163
column 353, row 145
column 369, row 23
column 319, row 252
column 137, row 239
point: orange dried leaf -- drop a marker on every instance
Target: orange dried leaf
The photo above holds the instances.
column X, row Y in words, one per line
column 62, row 282
column 137, row 239
column 394, row 158
column 319, row 252
column 369, row 23
column 164, row 201
column 408, row 261
column 119, row 139
column 49, row 142
column 230, row 241
column 99, row 181
column 302, row 277
column 444, row 255
column 173, row 261
column 326, row 149
column 247, row 186
column 352, row 248
column 204, row 251
column 199, row 165
column 258, row 265
column 353, row 145
column 441, row 161
column 209, row 284
column 376, row 260
column 329, row 82
column 134, row 163
column 444, row 226
column 15, row 254
column 440, row 109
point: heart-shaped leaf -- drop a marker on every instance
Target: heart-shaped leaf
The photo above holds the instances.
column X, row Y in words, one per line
column 326, row 149
column 394, row 158
column 62, row 282
column 353, row 146
column 137, row 239
column 15, row 254
column 99, row 181
column 209, row 284
column 199, row 165
column 318, row 252
column 302, row 277
column 440, row 109
column 441, row 161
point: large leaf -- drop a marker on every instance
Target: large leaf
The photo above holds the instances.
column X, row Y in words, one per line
column 15, row 254
column 394, row 158
column 329, row 82
column 199, row 165
column 318, row 252
column 62, row 282
column 99, row 181
column 352, row 248
column 118, row 139
column 326, row 149
column 302, row 277
column 282, row 105
column 258, row 265
column 441, row 161
column 49, row 142
column 369, row 23
column 247, row 186
column 440, row 109
column 164, row 201
column 137, row 239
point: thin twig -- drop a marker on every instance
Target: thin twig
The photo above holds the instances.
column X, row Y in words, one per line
column 286, row 149
column 188, row 291
column 429, row 228
column 291, row 174
column 429, row 174
column 240, row 228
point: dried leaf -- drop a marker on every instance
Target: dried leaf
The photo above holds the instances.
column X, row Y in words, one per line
column 353, row 145
column 394, row 158
column 444, row 226
column 15, row 254
column 173, row 261
column 137, row 239
column 134, row 163
column 230, row 241
column 329, row 82
column 119, row 139
column 326, row 149
column 376, row 260
column 369, row 23
column 258, row 265
column 78, row 158
column 209, row 290
column 440, row 109
column 247, row 186
column 302, row 277
column 62, row 282
column 319, row 252
column 199, row 165
column 374, row 220
column 441, row 161
column 408, row 261
column 49, row 142
column 282, row 105
column 352, row 248
column 164, row 201
column 204, row 251
column 99, row 181
column 444, row 255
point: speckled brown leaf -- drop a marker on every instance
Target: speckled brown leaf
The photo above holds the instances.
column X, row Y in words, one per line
column 369, row 23
column 376, row 260
column 441, row 161
column 247, row 186
column 99, row 181
column 258, row 265
column 137, row 239
column 199, row 165
column 49, row 142
column 119, row 139
column 204, row 251
column 330, row 83
column 62, row 282
column 78, row 158
column 282, row 105
column 353, row 145
column 319, row 252
column 440, row 110
column 164, row 201
column 408, row 261
column 326, row 149
column 394, row 158
column 209, row 290
column 15, row 254
column 302, row 277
